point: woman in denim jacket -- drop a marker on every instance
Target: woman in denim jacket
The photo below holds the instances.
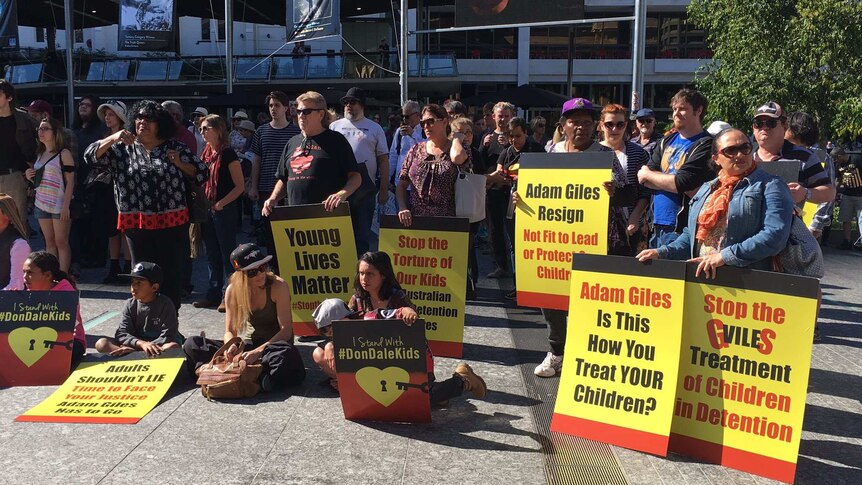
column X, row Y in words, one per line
column 742, row 218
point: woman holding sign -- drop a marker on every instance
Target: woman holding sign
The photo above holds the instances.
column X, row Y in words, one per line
column 378, row 295
column 742, row 218
column 258, row 310
column 430, row 169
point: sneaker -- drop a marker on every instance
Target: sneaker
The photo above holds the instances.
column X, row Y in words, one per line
column 845, row 245
column 472, row 382
column 498, row 273
column 551, row 366
column 512, row 295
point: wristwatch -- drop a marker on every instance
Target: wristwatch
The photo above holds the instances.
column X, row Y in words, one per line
column 807, row 194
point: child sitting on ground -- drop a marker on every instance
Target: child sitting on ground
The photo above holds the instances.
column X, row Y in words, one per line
column 149, row 319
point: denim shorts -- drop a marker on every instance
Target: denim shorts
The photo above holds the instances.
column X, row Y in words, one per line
column 40, row 214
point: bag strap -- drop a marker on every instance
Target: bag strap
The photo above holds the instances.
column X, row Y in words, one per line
column 239, row 342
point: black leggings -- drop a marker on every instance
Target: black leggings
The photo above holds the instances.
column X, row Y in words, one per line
column 445, row 390
column 168, row 248
column 280, row 360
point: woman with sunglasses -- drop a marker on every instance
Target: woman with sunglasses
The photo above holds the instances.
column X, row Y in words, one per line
column 257, row 310
column 742, row 218
column 612, row 127
column 148, row 169
column 430, row 169
column 222, row 188
column 318, row 165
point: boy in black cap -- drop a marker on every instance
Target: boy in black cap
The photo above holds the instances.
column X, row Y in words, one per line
column 149, row 320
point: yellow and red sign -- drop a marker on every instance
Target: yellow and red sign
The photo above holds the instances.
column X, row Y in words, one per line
column 622, row 352
column 563, row 209
column 430, row 262
column 316, row 256
column 116, row 392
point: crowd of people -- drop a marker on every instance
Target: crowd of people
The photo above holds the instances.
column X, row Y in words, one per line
column 125, row 182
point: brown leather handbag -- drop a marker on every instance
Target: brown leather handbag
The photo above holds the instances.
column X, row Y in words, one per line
column 224, row 379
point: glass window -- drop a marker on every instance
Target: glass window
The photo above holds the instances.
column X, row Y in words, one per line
column 117, row 70
column 26, row 73
column 205, row 29
column 96, row 71
column 174, row 70
column 250, row 68
column 152, row 71
column 220, row 29
column 40, row 35
column 79, row 36
column 290, row 67
column 328, row 66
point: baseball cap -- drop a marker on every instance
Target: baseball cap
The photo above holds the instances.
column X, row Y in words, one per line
column 577, row 104
column 330, row 310
column 355, row 93
column 241, row 115
column 40, row 106
column 200, row 110
column 246, row 125
column 770, row 109
column 148, row 271
column 717, row 127
column 248, row 256
column 645, row 113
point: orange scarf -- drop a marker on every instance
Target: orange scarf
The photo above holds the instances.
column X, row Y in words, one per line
column 715, row 208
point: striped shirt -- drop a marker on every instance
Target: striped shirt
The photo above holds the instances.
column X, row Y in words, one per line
column 52, row 187
column 811, row 172
column 268, row 143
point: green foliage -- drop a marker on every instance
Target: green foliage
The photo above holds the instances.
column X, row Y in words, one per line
column 804, row 54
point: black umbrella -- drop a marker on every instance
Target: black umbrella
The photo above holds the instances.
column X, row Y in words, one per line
column 524, row 96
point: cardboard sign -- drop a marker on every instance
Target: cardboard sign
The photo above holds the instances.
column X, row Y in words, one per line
column 430, row 262
column 563, row 210
column 115, row 392
column 36, row 336
column 744, row 366
column 382, row 368
column 622, row 352
column 316, row 256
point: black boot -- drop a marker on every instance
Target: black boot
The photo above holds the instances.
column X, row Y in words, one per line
column 112, row 278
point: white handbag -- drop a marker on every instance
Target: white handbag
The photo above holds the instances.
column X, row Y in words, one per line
column 470, row 196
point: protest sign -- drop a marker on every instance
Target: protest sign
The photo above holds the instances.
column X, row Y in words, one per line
column 316, row 255
column 622, row 351
column 563, row 209
column 382, row 368
column 116, row 392
column 744, row 366
column 430, row 262
column 36, row 336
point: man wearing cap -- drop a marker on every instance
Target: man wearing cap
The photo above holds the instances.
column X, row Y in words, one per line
column 198, row 115
column 769, row 127
column 647, row 137
column 368, row 141
column 17, row 148
column 237, row 141
column 680, row 164
column 182, row 134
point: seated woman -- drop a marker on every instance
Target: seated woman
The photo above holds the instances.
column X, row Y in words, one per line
column 42, row 273
column 14, row 247
column 257, row 309
column 376, row 288
column 742, row 218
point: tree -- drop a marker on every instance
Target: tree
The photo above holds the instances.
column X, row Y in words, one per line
column 804, row 54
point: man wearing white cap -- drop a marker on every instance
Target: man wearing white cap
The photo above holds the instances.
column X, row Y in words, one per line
column 197, row 116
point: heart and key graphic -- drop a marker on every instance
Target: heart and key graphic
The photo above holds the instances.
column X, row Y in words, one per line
column 381, row 385
column 27, row 343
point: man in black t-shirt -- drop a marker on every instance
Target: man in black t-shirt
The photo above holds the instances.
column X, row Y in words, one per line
column 17, row 148
column 315, row 167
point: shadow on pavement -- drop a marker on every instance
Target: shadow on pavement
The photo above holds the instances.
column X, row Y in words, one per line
column 819, row 419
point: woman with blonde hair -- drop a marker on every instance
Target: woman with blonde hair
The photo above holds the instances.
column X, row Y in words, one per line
column 257, row 304
column 14, row 247
column 318, row 165
column 53, row 174
column 222, row 188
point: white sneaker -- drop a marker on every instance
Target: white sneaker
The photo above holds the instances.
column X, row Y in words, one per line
column 551, row 366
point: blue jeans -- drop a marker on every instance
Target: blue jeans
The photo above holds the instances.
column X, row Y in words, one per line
column 220, row 239
column 362, row 215
column 662, row 235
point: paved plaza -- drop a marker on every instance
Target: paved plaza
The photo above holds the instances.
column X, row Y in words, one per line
column 302, row 436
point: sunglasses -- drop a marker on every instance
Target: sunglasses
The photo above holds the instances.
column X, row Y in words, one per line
column 610, row 125
column 256, row 271
column 349, row 102
column 205, row 128
column 307, row 111
column 44, row 128
column 141, row 117
column 646, row 121
column 197, row 115
column 428, row 122
column 540, row 125
column 768, row 122
column 732, row 151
